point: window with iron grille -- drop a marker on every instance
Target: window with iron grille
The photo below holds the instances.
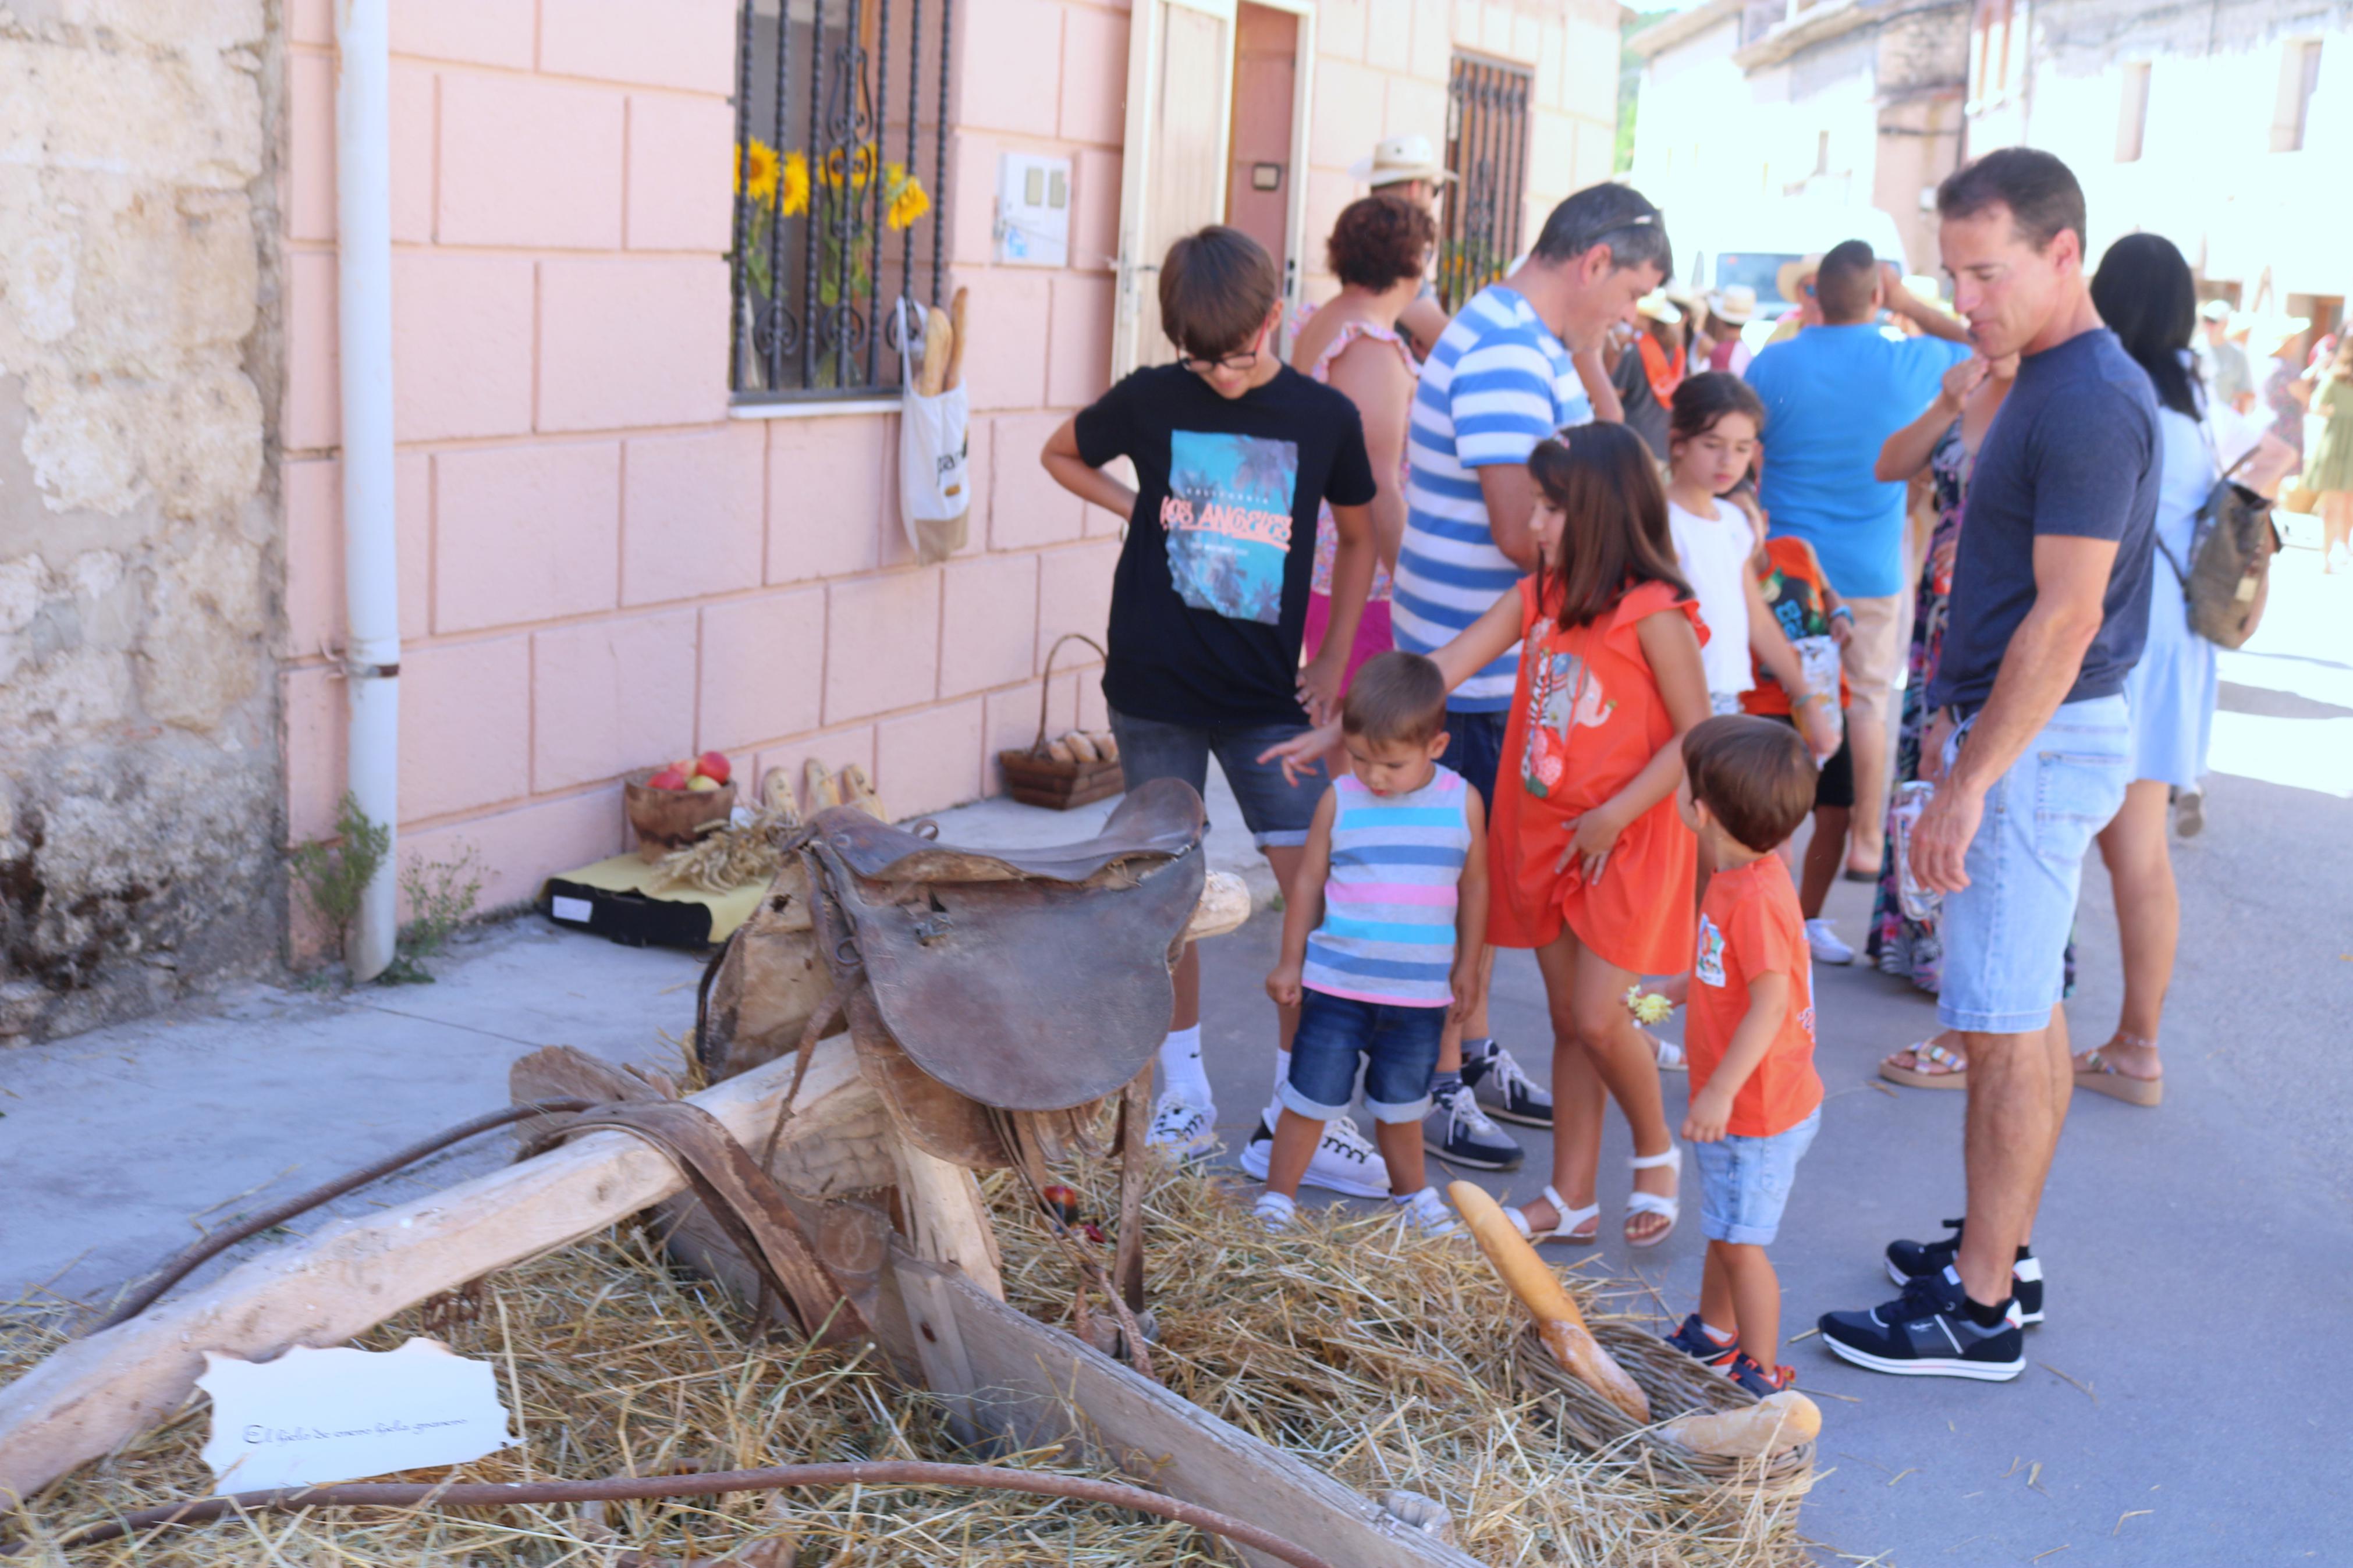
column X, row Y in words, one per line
column 1487, row 149
column 840, row 159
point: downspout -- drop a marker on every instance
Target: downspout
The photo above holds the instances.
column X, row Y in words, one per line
column 371, row 554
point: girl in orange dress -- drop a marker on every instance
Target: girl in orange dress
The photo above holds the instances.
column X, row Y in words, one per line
column 1589, row 864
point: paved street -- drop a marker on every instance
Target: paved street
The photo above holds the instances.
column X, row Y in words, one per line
column 2182, row 1406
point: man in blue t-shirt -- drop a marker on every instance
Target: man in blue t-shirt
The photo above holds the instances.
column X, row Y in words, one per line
column 1833, row 395
column 2030, row 745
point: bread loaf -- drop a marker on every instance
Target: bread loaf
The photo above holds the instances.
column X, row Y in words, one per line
column 957, row 341
column 1061, row 750
column 939, row 345
column 1081, row 746
column 1106, row 747
column 1776, row 1423
column 1559, row 1322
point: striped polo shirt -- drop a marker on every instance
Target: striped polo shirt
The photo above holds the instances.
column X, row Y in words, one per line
column 1497, row 382
column 1389, row 899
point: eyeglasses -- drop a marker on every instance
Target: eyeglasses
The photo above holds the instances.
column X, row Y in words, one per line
column 1245, row 360
column 1651, row 219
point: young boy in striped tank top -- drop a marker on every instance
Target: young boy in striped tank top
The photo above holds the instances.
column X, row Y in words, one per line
column 1382, row 932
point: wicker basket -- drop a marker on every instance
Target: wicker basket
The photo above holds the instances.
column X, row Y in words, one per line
column 1035, row 778
column 668, row 819
column 1676, row 1384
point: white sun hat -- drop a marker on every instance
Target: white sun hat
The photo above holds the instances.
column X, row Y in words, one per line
column 1397, row 159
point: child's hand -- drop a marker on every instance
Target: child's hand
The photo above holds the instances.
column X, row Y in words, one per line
column 1818, row 722
column 1282, row 985
column 1319, row 686
column 1676, row 988
column 1596, row 835
column 1841, row 631
column 1303, row 755
column 1710, row 1110
column 1465, row 983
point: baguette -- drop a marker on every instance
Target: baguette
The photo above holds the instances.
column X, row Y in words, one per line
column 956, row 343
column 1559, row 1322
column 1776, row 1423
column 939, row 344
column 1081, row 746
column 1061, row 750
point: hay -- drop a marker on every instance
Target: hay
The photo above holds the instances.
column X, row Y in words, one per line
column 1383, row 1360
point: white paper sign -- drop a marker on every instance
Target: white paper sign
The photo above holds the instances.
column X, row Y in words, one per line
column 318, row 1415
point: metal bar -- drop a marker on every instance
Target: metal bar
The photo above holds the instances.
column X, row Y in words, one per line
column 939, row 149
column 737, row 263
column 881, row 129
column 817, row 190
column 777, row 337
column 1516, row 162
column 914, row 97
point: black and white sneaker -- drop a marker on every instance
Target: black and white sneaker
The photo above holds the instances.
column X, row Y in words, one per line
column 1928, row 1332
column 1910, row 1260
column 1506, row 1090
column 1344, row 1160
column 1694, row 1340
column 1458, row 1132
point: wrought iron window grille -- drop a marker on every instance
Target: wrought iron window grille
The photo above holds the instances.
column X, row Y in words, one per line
column 841, row 180
column 1487, row 150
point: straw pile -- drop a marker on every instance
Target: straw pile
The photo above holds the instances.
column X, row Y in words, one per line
column 1385, row 1360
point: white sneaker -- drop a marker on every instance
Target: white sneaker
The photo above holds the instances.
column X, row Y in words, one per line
column 1427, row 1213
column 1346, row 1161
column 1185, row 1126
column 1823, row 937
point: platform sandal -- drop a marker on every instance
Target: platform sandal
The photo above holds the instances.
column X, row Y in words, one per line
column 1955, row 1073
column 1653, row 1203
column 2096, row 1073
column 1566, row 1226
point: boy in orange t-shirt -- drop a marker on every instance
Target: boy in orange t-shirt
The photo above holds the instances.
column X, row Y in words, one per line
column 1755, row 1099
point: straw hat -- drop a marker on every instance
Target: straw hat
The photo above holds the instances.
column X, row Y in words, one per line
column 2215, row 310
column 1735, row 303
column 1791, row 281
column 2277, row 335
column 1657, row 307
column 1398, row 159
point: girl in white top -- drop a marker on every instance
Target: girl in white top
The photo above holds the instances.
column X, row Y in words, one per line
column 1710, row 446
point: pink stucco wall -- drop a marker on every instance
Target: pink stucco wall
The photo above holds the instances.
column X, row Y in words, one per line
column 600, row 568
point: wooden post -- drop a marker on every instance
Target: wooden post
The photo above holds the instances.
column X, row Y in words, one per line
column 949, row 1221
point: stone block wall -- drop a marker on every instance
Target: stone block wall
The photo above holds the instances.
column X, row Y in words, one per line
column 140, row 326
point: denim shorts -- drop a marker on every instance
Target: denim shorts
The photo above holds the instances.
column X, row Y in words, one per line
column 1744, row 1183
column 1476, row 750
column 1400, row 1045
column 1276, row 813
column 2006, row 933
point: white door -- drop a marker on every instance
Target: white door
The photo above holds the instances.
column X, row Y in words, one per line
column 1180, row 74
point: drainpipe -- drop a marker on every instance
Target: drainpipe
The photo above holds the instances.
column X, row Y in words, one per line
column 371, row 554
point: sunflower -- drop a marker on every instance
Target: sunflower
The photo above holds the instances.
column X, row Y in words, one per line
column 792, row 198
column 859, row 166
column 756, row 170
column 909, row 200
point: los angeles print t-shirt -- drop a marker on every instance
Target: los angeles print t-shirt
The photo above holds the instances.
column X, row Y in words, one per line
column 1210, row 600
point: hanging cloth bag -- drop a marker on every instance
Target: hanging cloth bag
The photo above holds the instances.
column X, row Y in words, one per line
column 934, row 498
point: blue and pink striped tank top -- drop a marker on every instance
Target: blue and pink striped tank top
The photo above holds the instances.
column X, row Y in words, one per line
column 1388, row 902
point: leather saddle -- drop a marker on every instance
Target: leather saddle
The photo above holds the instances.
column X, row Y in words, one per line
column 1025, row 980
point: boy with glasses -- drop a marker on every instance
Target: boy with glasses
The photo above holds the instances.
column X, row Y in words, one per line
column 1234, row 452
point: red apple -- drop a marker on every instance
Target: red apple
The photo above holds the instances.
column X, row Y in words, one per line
column 714, row 767
column 669, row 777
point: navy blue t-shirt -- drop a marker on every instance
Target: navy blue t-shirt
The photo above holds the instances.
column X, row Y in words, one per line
column 2074, row 451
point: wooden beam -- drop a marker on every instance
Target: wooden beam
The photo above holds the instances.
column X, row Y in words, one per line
column 1005, row 1374
column 99, row 1392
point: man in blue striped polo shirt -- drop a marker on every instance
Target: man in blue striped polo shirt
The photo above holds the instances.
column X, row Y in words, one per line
column 1499, row 381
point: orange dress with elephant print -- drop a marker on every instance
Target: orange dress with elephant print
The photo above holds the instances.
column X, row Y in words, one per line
column 1585, row 719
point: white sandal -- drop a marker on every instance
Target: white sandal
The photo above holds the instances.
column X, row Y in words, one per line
column 1669, row 1055
column 1653, row 1203
column 1569, row 1220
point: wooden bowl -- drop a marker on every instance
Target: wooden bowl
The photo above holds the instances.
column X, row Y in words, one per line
column 668, row 819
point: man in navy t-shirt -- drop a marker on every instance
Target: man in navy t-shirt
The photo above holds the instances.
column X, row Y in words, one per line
column 1833, row 395
column 2029, row 747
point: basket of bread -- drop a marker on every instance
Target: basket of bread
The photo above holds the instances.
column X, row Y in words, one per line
column 1073, row 769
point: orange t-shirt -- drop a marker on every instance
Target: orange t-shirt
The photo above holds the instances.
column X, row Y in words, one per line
column 1751, row 924
column 1586, row 717
column 1794, row 591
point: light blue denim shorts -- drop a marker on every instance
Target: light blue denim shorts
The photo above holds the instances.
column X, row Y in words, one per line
column 2006, row 932
column 1744, row 1183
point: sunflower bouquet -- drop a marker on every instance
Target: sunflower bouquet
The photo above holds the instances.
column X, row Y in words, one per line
column 832, row 192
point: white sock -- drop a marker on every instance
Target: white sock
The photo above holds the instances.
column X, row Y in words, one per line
column 1721, row 1336
column 1180, row 1067
column 1273, row 1112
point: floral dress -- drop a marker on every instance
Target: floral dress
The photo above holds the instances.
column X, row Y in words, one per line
column 1908, row 948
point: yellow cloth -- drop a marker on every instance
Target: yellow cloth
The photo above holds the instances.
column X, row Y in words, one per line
column 628, row 874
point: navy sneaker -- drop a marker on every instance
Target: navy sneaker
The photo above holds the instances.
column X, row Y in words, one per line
column 1507, row 1092
column 1694, row 1340
column 1928, row 1332
column 1910, row 1260
column 1458, row 1132
column 1745, row 1370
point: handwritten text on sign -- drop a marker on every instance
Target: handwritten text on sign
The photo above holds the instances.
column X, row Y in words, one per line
column 318, row 1415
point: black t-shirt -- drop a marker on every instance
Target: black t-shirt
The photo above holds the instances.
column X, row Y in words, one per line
column 1209, row 602
column 2074, row 451
column 1644, row 414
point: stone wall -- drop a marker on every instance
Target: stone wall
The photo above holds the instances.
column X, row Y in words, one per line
column 139, row 763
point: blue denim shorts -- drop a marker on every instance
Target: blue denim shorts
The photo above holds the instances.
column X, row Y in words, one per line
column 1400, row 1045
column 2006, row 933
column 1277, row 813
column 1744, row 1183
column 1476, row 750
